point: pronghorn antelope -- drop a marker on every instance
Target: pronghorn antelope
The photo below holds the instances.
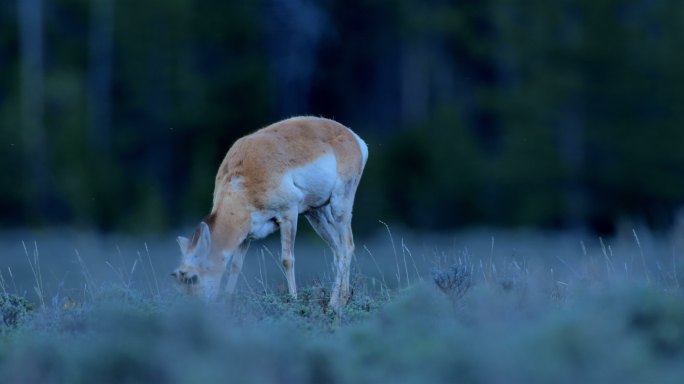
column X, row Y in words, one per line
column 302, row 165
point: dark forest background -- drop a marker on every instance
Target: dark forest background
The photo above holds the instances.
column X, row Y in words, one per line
column 559, row 114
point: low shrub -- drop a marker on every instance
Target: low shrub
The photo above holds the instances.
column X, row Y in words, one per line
column 14, row 311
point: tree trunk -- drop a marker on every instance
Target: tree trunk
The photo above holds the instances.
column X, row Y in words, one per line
column 100, row 74
column 296, row 30
column 30, row 26
column 572, row 155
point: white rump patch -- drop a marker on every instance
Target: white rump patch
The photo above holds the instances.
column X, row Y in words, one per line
column 362, row 146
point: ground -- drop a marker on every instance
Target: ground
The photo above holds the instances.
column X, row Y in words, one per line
column 481, row 306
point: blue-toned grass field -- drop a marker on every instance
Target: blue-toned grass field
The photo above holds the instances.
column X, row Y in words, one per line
column 479, row 306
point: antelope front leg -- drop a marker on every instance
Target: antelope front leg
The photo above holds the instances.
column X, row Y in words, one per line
column 288, row 231
column 235, row 266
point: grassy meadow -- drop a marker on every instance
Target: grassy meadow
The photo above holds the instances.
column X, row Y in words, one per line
column 478, row 306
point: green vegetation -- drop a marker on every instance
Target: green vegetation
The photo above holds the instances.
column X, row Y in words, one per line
column 495, row 112
column 594, row 317
column 14, row 312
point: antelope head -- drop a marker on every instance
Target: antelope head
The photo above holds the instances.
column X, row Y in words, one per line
column 199, row 273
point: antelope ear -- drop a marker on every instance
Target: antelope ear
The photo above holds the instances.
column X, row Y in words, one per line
column 184, row 244
column 204, row 243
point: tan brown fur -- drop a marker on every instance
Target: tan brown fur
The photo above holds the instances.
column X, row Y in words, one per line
column 323, row 161
column 262, row 157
